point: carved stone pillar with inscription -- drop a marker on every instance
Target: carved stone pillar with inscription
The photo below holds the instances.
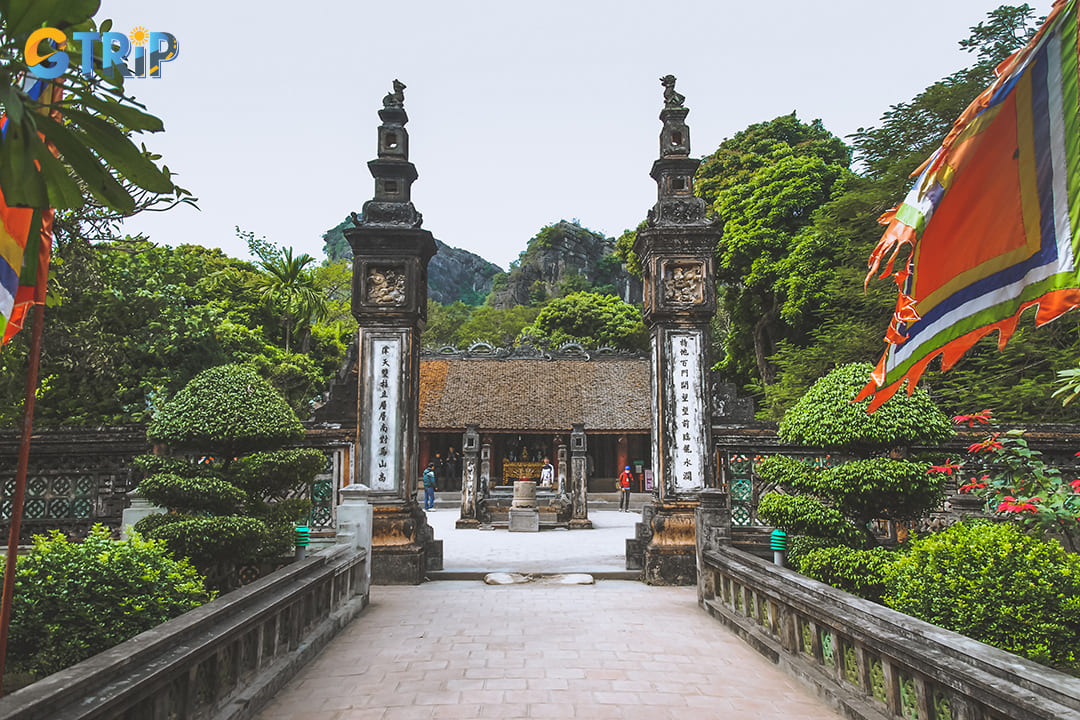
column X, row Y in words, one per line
column 676, row 251
column 470, row 477
column 579, row 479
column 560, row 454
column 389, row 299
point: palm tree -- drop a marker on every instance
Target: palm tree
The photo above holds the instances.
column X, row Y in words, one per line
column 290, row 287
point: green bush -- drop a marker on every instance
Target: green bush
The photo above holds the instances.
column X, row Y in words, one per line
column 859, row 572
column 994, row 584
column 74, row 600
column 836, row 504
column 210, row 541
column 805, row 515
column 826, row 417
column 192, row 494
column 276, row 472
column 228, row 411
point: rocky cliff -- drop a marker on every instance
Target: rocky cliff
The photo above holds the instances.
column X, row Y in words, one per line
column 562, row 258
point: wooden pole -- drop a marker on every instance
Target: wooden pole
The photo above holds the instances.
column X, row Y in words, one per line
column 20, row 471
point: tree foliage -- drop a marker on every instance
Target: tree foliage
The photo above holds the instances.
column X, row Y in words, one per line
column 765, row 185
column 288, row 285
column 590, row 319
column 135, row 322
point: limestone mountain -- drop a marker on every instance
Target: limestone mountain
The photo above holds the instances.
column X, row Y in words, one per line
column 453, row 274
column 560, row 259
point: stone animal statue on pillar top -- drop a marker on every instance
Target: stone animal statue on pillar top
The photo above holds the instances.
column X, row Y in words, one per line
column 397, row 98
column 671, row 98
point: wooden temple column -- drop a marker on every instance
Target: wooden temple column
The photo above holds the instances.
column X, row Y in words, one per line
column 389, row 299
column 676, row 249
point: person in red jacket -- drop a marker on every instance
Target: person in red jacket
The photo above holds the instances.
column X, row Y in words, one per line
column 625, row 480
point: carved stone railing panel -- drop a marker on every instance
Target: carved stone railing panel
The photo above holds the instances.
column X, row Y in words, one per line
column 222, row 660
column 869, row 661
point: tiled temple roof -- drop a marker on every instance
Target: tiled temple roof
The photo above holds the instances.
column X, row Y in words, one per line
column 535, row 394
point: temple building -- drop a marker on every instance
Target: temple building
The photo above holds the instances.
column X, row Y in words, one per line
column 525, row 402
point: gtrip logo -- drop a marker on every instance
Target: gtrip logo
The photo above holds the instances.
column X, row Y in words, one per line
column 149, row 50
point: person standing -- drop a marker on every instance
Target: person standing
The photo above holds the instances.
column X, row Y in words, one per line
column 547, row 474
column 429, row 486
column 626, row 479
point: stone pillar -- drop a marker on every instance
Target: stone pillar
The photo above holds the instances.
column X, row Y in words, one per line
column 470, row 477
column 676, row 249
column 560, row 454
column 389, row 299
column 354, row 525
column 713, row 530
column 139, row 508
column 579, row 479
column 485, row 467
column 524, row 515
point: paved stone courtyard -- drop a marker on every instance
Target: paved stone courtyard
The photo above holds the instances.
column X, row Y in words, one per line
column 462, row 649
column 602, row 549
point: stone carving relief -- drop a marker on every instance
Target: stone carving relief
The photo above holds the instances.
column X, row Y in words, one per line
column 684, row 283
column 386, row 286
column 389, row 213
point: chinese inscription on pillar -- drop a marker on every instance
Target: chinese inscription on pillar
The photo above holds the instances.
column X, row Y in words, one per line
column 686, row 403
column 384, row 434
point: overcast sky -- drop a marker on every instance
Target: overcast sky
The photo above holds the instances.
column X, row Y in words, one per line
column 520, row 113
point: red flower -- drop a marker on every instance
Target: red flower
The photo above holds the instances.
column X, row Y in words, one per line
column 990, row 443
column 1075, row 484
column 1010, row 504
column 982, row 418
column 974, row 484
column 947, row 468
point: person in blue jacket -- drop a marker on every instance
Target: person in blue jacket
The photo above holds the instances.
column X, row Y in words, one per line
column 429, row 486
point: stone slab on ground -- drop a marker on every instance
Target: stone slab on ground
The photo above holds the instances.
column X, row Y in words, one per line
column 611, row 650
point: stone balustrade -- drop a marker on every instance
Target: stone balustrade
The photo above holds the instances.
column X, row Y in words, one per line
column 222, row 660
column 872, row 662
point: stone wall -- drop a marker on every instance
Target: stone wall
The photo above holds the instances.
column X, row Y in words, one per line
column 79, row 477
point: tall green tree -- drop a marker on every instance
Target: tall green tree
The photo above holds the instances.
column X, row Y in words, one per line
column 765, row 184
column 848, row 325
column 288, row 285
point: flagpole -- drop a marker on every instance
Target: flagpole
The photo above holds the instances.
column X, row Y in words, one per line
column 20, row 472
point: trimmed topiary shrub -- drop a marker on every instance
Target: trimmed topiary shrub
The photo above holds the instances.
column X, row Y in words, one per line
column 232, row 507
column 826, row 417
column 834, row 505
column 227, row 410
column 994, row 584
column 74, row 600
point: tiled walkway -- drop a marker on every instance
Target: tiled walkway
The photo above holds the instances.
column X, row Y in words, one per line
column 617, row 649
